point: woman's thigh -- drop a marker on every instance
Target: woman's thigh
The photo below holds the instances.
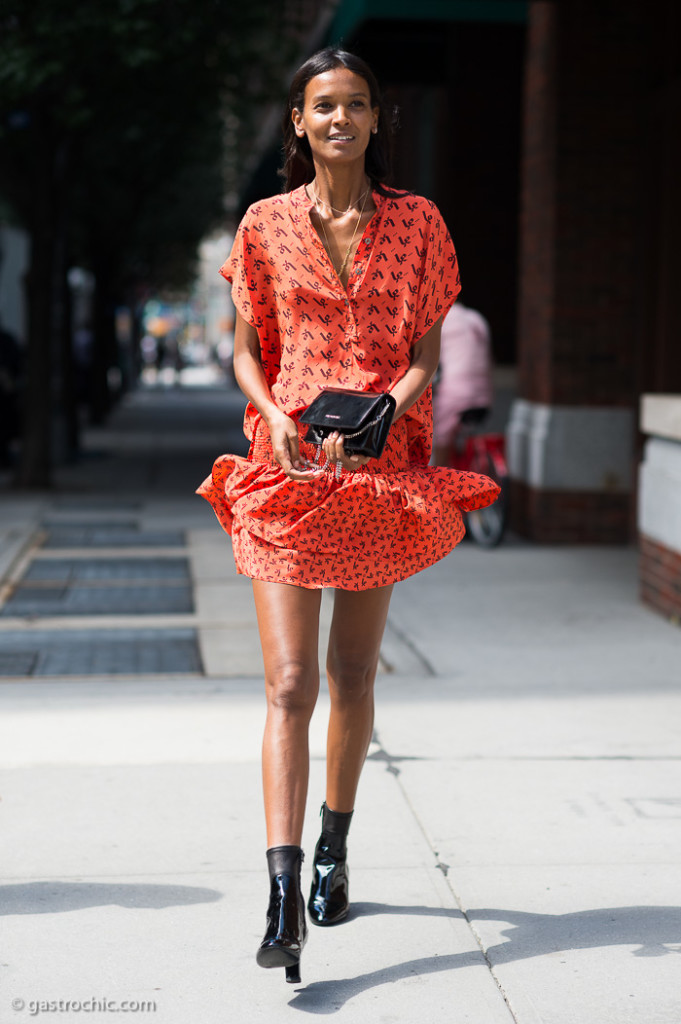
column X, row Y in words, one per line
column 357, row 626
column 288, row 622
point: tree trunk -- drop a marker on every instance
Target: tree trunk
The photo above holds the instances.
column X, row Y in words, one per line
column 35, row 461
column 46, row 306
column 104, row 356
column 68, row 395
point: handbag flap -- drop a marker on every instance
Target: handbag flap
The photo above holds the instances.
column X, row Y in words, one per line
column 345, row 411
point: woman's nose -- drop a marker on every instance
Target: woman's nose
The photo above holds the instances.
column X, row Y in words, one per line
column 340, row 115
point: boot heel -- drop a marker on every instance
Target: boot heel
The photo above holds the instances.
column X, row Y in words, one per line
column 293, row 973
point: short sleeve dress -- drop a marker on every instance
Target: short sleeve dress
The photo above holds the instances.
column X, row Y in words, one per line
column 396, row 515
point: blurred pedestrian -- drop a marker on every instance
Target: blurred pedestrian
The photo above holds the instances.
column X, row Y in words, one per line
column 465, row 378
column 339, row 282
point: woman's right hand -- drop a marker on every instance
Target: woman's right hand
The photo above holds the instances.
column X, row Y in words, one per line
column 251, row 379
column 285, row 445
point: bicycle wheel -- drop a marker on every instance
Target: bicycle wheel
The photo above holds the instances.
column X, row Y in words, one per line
column 487, row 525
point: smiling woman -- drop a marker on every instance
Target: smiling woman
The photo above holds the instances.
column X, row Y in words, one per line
column 299, row 166
column 337, row 120
column 340, row 282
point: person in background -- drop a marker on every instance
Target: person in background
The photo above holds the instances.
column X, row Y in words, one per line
column 465, row 379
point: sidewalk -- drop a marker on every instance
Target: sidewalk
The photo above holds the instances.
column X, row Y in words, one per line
column 515, row 847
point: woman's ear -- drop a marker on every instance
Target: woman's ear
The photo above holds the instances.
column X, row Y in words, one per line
column 297, row 118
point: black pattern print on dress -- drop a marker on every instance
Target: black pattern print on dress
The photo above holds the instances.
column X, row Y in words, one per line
column 396, row 515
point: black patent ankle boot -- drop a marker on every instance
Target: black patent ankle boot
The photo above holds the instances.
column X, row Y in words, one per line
column 329, row 897
column 286, row 932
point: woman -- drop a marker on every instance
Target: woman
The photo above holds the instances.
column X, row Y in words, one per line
column 338, row 282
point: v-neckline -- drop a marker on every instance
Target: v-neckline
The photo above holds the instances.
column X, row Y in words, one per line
column 369, row 224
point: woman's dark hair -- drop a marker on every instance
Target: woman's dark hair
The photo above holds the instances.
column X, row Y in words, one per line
column 298, row 167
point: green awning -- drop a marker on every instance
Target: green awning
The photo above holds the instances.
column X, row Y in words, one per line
column 352, row 13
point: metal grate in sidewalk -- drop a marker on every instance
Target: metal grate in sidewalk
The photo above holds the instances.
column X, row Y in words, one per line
column 71, row 570
column 98, row 578
column 96, row 504
column 109, row 535
column 90, row 599
column 17, row 662
column 99, row 652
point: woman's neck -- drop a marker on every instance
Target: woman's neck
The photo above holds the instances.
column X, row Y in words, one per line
column 340, row 190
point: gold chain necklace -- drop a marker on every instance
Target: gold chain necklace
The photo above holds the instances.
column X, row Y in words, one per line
column 354, row 233
column 318, row 199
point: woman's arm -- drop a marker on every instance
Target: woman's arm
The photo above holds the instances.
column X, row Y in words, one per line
column 251, row 379
column 424, row 360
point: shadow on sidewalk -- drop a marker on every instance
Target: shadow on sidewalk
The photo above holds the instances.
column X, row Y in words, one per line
column 656, row 931
column 57, row 897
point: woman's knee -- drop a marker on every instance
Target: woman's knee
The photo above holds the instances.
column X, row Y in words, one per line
column 293, row 688
column 350, row 682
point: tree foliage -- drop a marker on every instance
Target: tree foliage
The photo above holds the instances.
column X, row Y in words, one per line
column 140, row 97
column 123, row 125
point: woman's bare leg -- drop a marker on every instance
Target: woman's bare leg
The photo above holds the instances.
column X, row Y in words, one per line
column 288, row 620
column 357, row 626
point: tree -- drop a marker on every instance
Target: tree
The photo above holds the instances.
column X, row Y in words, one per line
column 112, row 153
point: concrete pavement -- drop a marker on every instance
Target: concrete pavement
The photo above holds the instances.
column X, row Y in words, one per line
column 515, row 847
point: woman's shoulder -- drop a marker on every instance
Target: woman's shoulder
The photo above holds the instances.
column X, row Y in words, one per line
column 268, row 210
column 399, row 201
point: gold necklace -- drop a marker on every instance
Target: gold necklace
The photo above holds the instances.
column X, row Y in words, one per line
column 318, row 199
column 326, row 237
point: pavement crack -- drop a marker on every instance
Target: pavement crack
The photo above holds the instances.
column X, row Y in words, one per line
column 405, row 640
column 381, row 754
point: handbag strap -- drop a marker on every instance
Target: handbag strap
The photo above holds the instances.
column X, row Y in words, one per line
column 348, row 437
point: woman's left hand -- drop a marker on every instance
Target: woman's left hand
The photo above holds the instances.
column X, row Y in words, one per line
column 335, row 452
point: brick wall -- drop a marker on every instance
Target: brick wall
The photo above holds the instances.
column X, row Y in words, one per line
column 582, row 311
column 660, row 578
column 569, row 517
column 538, row 206
column 586, row 89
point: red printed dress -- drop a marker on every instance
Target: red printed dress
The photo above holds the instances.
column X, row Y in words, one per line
column 396, row 515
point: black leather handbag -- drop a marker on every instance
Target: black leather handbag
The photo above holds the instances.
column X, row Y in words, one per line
column 362, row 417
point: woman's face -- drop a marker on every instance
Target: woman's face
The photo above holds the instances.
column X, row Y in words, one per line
column 337, row 116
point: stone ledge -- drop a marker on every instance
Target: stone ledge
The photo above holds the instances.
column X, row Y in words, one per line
column 661, row 416
column 659, row 492
column 571, row 448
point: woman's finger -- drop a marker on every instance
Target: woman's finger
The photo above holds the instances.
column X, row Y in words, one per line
column 348, row 461
column 281, row 455
column 330, row 446
column 293, row 449
column 284, row 435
